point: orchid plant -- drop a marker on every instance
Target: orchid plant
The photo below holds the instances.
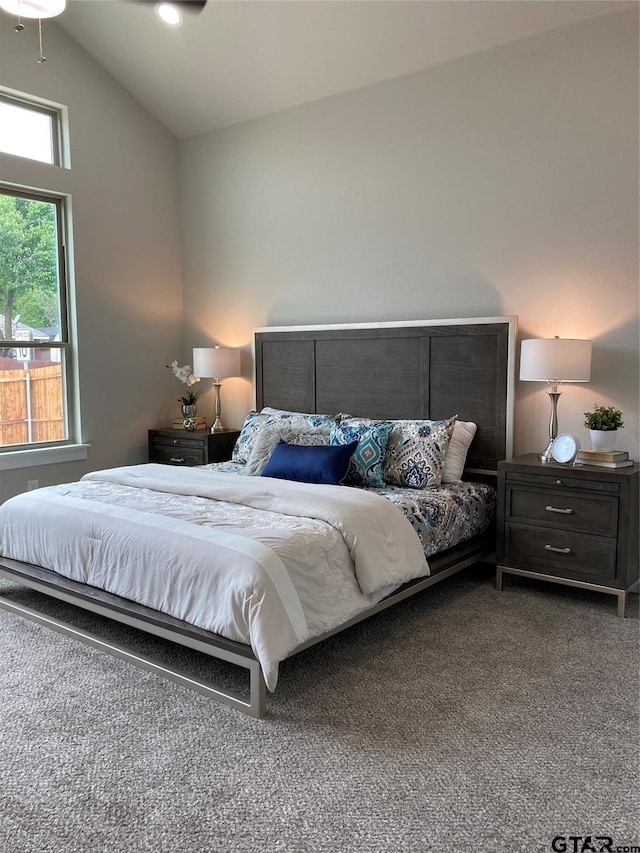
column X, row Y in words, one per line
column 184, row 374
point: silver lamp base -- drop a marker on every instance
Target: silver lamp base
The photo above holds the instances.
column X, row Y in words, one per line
column 546, row 455
column 217, row 425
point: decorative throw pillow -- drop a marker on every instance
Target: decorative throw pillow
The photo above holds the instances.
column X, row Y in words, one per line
column 268, row 437
column 255, row 421
column 416, row 453
column 366, row 465
column 318, row 464
column 454, row 461
column 252, row 423
column 311, row 418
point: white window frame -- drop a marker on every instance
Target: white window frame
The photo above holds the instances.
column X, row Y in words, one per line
column 70, row 448
column 53, row 112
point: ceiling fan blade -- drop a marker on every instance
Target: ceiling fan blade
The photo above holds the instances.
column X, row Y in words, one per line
column 192, row 6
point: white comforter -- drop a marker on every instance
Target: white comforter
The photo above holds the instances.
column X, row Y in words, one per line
column 249, row 587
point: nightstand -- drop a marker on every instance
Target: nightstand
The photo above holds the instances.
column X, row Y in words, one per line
column 181, row 447
column 573, row 526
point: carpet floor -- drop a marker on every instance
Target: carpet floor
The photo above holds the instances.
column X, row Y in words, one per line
column 461, row 720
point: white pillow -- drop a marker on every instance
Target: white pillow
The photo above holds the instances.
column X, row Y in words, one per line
column 456, row 455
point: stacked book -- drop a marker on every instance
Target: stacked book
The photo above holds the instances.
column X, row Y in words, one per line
column 201, row 423
column 604, row 459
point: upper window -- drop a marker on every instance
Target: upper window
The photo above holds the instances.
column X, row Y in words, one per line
column 28, row 130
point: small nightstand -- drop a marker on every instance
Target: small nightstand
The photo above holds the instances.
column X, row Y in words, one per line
column 574, row 526
column 181, row 447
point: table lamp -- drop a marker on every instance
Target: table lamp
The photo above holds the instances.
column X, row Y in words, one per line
column 555, row 360
column 218, row 363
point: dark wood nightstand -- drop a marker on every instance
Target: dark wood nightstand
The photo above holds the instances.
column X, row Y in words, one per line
column 181, row 447
column 574, row 526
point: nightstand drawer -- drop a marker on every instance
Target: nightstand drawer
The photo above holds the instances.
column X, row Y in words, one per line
column 562, row 553
column 184, row 442
column 179, row 454
column 564, row 480
column 593, row 513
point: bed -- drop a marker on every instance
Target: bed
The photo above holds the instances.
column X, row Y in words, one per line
column 152, row 546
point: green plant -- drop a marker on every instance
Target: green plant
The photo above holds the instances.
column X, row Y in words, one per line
column 190, row 398
column 604, row 418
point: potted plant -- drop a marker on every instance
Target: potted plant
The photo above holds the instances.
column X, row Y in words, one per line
column 190, row 397
column 603, row 423
column 189, row 402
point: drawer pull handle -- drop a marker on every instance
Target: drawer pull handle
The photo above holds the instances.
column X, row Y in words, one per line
column 557, row 550
column 176, row 459
column 556, row 509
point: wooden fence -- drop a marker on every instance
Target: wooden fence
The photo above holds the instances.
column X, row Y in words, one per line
column 31, row 404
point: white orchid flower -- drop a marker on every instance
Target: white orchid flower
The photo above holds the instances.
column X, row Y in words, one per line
column 185, row 375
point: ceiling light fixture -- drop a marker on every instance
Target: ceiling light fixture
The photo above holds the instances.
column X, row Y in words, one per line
column 169, row 13
column 35, row 9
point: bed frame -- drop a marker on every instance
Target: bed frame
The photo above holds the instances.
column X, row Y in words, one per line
column 416, row 369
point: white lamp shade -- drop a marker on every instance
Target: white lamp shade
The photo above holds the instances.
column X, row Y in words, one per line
column 34, row 8
column 216, row 361
column 555, row 359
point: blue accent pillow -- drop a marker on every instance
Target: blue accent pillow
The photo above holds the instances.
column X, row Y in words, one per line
column 309, row 464
column 367, row 463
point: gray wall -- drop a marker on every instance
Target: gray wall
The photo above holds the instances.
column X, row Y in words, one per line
column 501, row 183
column 128, row 279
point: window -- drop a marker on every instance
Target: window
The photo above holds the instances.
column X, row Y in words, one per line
column 35, row 348
column 34, row 338
column 29, row 130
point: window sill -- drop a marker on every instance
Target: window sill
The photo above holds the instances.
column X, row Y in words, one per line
column 42, row 456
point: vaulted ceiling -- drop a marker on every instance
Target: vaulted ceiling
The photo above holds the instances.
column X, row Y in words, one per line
column 239, row 59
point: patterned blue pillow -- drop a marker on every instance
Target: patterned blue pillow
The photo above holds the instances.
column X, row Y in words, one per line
column 416, row 453
column 311, row 418
column 366, row 465
column 252, row 423
column 255, row 421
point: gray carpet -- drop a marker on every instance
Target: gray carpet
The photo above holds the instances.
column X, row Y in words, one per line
column 461, row 720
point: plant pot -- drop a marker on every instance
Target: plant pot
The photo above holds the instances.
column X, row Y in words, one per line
column 603, row 439
column 189, row 411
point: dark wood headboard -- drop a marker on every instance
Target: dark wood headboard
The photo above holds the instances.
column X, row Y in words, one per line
column 397, row 370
